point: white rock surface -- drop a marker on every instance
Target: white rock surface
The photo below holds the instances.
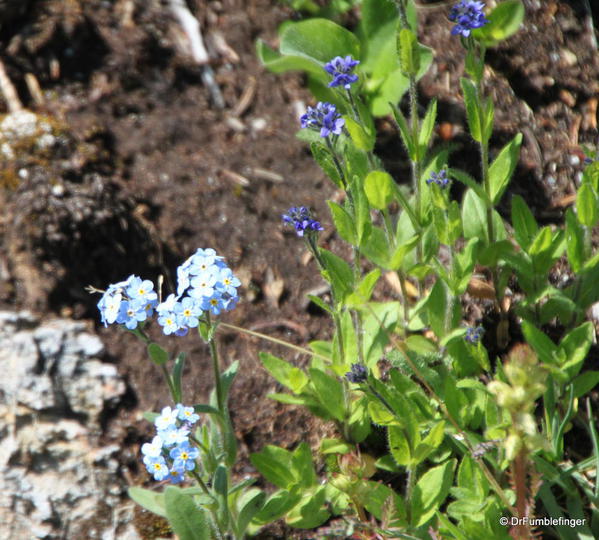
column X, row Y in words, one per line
column 55, row 481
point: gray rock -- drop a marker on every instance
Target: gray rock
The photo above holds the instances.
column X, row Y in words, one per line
column 55, row 480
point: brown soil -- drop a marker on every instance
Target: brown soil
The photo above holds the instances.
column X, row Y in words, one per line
column 157, row 170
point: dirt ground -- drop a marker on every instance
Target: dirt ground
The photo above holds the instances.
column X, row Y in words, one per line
column 150, row 168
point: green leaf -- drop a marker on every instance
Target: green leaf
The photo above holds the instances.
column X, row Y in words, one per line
column 276, row 506
column 297, row 380
column 278, row 368
column 430, row 443
column 426, row 128
column 343, row 223
column 472, row 108
column 430, row 491
column 338, row 273
column 574, row 241
column 575, row 347
column 250, row 506
column 363, row 290
column 220, row 483
column 329, row 392
column 157, row 354
column 405, row 132
column 274, row 464
column 201, row 408
column 227, row 377
column 585, row 383
column 541, row 242
column 543, row 346
column 399, row 446
column 502, row 168
column 590, row 175
column 379, row 189
column 504, row 21
column 361, row 138
column 177, row 373
column 188, row 521
column 488, row 115
column 382, row 501
column 319, row 40
column 303, row 467
column 525, row 225
column 474, row 217
column 150, row 500
column 375, row 246
column 335, row 446
column 409, row 54
column 587, row 205
column 323, row 156
column 310, row 512
column 278, row 63
column 401, row 251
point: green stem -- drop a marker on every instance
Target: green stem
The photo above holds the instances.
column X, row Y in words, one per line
column 217, row 381
column 273, row 340
column 404, row 293
column 201, row 482
column 337, row 163
column 169, row 381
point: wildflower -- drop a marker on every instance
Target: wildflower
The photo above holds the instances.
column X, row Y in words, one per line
column 110, row 303
column 157, row 468
column 166, row 419
column 299, row 217
column 184, row 456
column 439, row 178
column 323, row 117
column 187, row 414
column 152, row 450
column 207, row 279
column 139, row 289
column 474, row 334
column 358, row 373
column 341, row 70
column 174, row 435
column 128, row 302
column 227, row 282
column 468, row 15
column 203, row 285
column 188, row 312
column 176, row 477
column 214, row 304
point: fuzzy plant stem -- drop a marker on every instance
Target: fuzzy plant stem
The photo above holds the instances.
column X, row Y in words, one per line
column 216, row 370
column 415, row 126
column 520, row 475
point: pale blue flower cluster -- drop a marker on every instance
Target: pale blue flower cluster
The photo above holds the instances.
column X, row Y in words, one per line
column 128, row 302
column 170, row 453
column 205, row 284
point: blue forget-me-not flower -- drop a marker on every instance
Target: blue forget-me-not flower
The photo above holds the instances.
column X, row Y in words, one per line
column 171, row 453
column 341, row 69
column 300, row 218
column 468, row 15
column 324, row 118
column 439, row 178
